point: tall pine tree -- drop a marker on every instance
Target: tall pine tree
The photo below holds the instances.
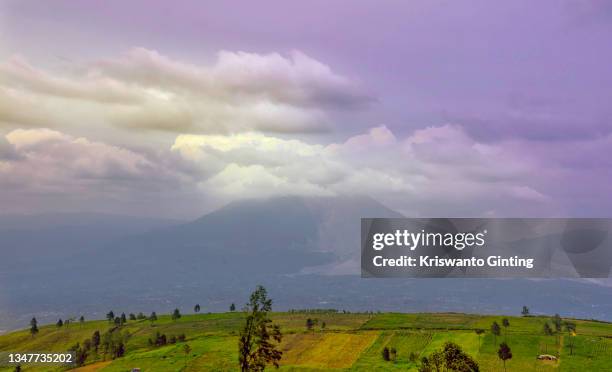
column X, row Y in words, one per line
column 259, row 340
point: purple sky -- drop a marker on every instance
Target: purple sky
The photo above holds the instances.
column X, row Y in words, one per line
column 433, row 107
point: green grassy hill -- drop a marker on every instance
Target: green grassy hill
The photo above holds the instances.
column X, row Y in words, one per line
column 350, row 342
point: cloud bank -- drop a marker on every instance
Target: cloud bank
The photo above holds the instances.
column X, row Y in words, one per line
column 144, row 90
column 432, row 171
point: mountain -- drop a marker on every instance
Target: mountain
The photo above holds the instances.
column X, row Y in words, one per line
column 283, row 235
column 315, row 224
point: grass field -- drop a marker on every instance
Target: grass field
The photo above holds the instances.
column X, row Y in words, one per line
column 349, row 342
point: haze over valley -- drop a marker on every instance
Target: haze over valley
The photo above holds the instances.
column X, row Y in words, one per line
column 305, row 250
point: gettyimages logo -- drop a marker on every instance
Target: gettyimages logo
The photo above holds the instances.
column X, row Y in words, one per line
column 486, row 247
column 411, row 240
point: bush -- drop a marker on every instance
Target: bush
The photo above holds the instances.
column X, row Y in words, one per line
column 386, row 355
column 451, row 358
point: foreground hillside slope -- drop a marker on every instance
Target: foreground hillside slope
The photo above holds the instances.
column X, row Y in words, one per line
column 348, row 342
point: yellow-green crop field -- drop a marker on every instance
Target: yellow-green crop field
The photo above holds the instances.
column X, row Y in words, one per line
column 349, row 342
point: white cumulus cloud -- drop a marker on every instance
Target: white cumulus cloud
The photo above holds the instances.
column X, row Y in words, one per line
column 145, row 90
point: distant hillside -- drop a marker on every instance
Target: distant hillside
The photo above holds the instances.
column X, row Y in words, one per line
column 28, row 239
column 329, row 224
column 348, row 342
column 48, row 221
column 277, row 235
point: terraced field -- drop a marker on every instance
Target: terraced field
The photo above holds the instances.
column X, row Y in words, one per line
column 349, row 342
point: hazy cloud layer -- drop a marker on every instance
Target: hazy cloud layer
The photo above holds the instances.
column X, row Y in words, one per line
column 434, row 171
column 47, row 170
column 433, row 166
column 144, row 90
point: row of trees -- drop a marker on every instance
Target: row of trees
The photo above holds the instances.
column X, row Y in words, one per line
column 197, row 308
column 450, row 358
column 496, row 330
column 118, row 320
column 504, row 352
column 312, row 311
column 311, row 323
column 161, row 339
column 60, row 323
column 329, row 311
column 558, row 325
column 111, row 343
column 389, row 354
column 555, row 328
column 258, row 343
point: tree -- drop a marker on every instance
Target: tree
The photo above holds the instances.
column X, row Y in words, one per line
column 186, row 350
column 393, row 353
column 132, row 316
column 118, row 321
column 153, row 317
column 140, row 315
column 80, row 354
column 571, row 331
column 525, row 311
column 59, row 323
column 176, row 314
column 310, row 323
column 437, row 359
column 450, row 358
column 110, row 316
column 196, row 308
column 504, row 353
column 95, row 340
column 547, row 332
column 160, row 339
column 33, row 327
column 386, row 354
column 123, row 319
column 259, row 338
column 87, row 344
column 82, row 320
column 558, row 324
column 113, row 342
column 119, row 350
column 323, row 325
column 232, row 307
column 479, row 332
column 413, row 356
column 506, row 324
column 433, row 363
column 496, row 330
column 17, row 368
